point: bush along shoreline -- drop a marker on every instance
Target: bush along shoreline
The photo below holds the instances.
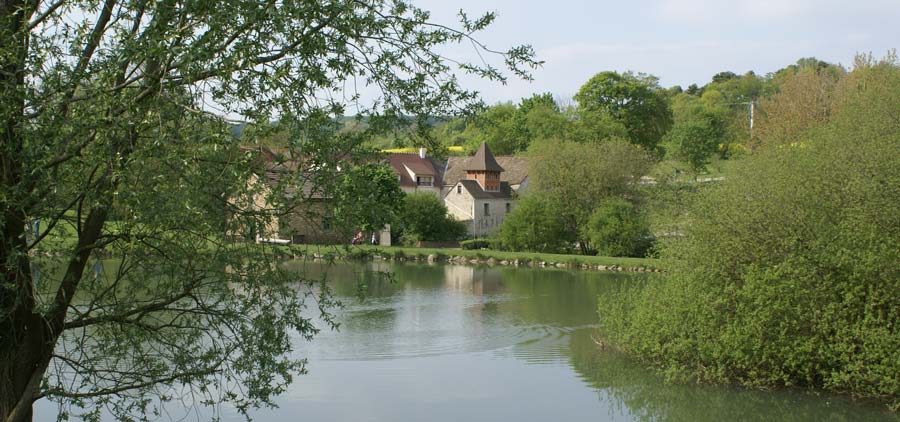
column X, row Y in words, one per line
column 786, row 275
column 471, row 257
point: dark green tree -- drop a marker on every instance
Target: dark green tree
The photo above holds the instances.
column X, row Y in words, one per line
column 367, row 197
column 617, row 228
column 694, row 143
column 538, row 100
column 724, row 77
column 699, row 130
column 634, row 99
column 424, row 217
column 501, row 127
column 537, row 225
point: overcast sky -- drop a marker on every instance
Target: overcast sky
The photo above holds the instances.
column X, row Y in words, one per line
column 680, row 41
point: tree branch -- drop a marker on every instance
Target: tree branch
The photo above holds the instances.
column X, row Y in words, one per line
column 45, row 14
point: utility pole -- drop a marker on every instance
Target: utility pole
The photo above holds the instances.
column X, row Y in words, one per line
column 752, row 104
column 751, row 118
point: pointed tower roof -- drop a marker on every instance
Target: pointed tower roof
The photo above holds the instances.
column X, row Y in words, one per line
column 483, row 160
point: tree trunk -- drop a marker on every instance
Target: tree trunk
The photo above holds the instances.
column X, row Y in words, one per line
column 23, row 345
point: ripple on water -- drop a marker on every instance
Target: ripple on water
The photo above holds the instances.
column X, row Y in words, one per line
column 383, row 330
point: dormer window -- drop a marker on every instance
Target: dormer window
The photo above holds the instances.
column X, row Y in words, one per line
column 424, row 181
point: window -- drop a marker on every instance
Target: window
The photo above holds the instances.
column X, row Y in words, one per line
column 458, row 189
column 487, row 209
column 424, row 181
column 507, row 208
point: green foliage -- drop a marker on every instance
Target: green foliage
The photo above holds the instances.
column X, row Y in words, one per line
column 635, row 100
column 805, row 100
column 477, row 244
column 567, row 183
column 367, row 197
column 787, row 273
column 694, row 143
column 119, row 109
column 536, row 225
column 701, row 126
column 424, row 217
column 575, row 176
column 596, row 126
column 501, row 127
column 616, row 228
column 507, row 128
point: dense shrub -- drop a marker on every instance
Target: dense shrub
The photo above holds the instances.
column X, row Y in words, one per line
column 479, row 243
column 424, row 217
column 537, row 225
column 787, row 272
column 616, row 228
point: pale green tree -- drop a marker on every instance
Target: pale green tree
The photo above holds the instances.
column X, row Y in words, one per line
column 578, row 176
column 114, row 139
column 785, row 274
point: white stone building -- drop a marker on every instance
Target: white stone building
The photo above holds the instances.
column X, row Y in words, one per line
column 482, row 199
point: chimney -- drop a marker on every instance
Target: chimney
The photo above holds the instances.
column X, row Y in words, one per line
column 421, row 152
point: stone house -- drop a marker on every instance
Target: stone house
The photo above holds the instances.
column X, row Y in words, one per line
column 515, row 172
column 482, row 199
column 304, row 219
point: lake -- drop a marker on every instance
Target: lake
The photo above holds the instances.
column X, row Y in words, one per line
column 453, row 343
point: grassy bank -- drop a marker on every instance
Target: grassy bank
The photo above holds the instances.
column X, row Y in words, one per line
column 483, row 254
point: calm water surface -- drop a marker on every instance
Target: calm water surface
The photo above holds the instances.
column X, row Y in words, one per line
column 461, row 343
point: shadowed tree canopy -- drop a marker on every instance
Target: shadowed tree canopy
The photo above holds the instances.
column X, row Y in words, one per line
column 116, row 154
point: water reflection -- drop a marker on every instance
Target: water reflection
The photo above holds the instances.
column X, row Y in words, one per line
column 450, row 343
column 457, row 342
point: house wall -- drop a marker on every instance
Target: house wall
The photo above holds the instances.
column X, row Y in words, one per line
column 485, row 224
column 257, row 202
column 307, row 224
column 436, row 190
column 459, row 205
column 463, row 207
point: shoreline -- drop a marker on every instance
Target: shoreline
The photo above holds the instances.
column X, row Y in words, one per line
column 474, row 257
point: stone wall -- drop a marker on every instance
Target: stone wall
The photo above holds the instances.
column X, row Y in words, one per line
column 485, row 224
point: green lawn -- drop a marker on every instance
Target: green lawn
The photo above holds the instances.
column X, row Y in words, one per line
column 63, row 239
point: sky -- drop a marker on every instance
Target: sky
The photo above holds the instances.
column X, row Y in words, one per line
column 680, row 41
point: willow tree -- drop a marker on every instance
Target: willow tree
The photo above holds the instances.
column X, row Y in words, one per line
column 115, row 145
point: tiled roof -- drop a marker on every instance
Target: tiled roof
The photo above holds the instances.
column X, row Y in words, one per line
column 477, row 192
column 418, row 165
column 515, row 169
column 285, row 179
column 483, row 160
